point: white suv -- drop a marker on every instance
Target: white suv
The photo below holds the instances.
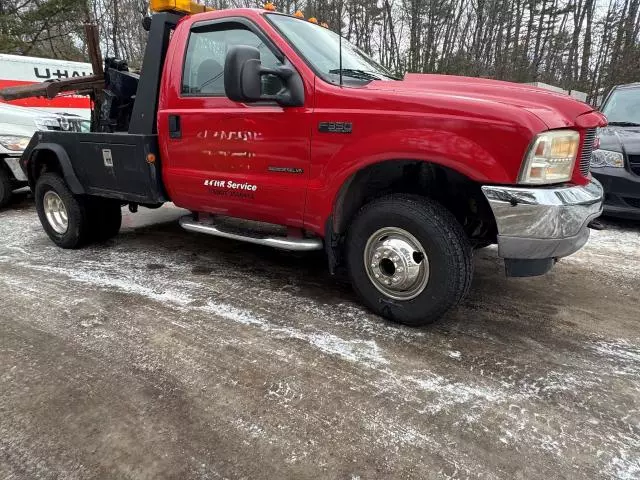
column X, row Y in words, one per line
column 17, row 126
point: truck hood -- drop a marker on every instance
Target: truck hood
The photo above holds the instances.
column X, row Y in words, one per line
column 17, row 130
column 620, row 139
column 15, row 115
column 556, row 110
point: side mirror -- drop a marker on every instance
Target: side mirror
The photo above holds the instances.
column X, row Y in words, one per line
column 243, row 74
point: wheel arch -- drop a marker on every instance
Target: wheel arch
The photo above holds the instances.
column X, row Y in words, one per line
column 52, row 157
column 413, row 176
column 456, row 191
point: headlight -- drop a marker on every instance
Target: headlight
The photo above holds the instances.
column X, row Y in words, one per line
column 45, row 123
column 551, row 157
column 607, row 158
column 14, row 143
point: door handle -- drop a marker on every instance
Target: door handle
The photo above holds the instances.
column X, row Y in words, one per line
column 174, row 126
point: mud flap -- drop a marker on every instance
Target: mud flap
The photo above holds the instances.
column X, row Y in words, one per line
column 515, row 267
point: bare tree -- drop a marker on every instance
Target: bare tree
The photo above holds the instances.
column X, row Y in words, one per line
column 589, row 45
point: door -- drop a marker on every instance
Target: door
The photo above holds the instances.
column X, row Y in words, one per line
column 223, row 157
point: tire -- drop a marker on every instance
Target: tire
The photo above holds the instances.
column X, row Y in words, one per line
column 76, row 235
column 393, row 227
column 6, row 187
column 105, row 217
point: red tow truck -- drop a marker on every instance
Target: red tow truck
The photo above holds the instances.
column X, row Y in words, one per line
column 273, row 119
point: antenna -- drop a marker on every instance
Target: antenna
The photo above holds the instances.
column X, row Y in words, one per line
column 340, row 48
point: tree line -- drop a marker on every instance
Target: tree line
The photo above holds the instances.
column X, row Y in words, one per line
column 585, row 45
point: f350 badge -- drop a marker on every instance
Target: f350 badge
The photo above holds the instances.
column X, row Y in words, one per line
column 335, row 127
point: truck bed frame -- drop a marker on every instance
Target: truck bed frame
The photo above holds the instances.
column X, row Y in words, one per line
column 120, row 165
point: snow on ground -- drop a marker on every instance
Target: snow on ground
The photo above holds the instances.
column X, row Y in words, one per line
column 206, row 358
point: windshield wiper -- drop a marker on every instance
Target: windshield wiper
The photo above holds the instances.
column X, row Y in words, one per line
column 392, row 77
column 624, row 124
column 354, row 73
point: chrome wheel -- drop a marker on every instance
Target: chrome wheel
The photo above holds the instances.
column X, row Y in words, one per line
column 56, row 212
column 396, row 263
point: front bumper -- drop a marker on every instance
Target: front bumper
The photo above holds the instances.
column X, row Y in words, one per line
column 543, row 223
column 14, row 165
column 622, row 191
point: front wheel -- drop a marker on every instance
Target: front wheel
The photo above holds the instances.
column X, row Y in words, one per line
column 409, row 259
column 6, row 189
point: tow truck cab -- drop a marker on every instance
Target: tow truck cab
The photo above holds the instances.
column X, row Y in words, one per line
column 257, row 115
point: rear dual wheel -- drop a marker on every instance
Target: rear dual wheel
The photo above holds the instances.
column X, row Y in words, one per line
column 72, row 221
column 409, row 259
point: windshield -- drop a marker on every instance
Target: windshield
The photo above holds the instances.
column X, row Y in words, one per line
column 623, row 106
column 320, row 47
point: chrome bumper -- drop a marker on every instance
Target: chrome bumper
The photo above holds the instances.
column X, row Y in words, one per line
column 543, row 223
column 14, row 165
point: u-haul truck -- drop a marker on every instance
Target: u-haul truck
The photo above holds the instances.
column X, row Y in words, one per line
column 20, row 119
column 17, row 70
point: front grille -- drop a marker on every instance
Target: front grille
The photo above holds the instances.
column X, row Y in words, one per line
column 634, row 164
column 587, row 150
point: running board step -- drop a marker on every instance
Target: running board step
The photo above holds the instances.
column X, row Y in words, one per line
column 283, row 243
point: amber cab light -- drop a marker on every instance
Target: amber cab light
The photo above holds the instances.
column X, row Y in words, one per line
column 182, row 6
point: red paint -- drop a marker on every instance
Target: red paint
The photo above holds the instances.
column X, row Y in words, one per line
column 481, row 128
column 61, row 101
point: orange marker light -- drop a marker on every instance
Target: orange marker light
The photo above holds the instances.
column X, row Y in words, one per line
column 313, row 20
column 270, row 6
column 324, row 24
column 151, row 158
column 298, row 14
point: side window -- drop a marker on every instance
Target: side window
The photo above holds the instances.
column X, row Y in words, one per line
column 206, row 52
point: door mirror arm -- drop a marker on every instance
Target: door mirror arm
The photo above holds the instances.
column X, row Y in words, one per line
column 243, row 72
column 292, row 93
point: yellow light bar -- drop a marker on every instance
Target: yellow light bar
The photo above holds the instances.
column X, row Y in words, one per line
column 182, row 6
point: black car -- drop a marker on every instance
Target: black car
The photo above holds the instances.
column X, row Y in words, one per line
column 616, row 164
